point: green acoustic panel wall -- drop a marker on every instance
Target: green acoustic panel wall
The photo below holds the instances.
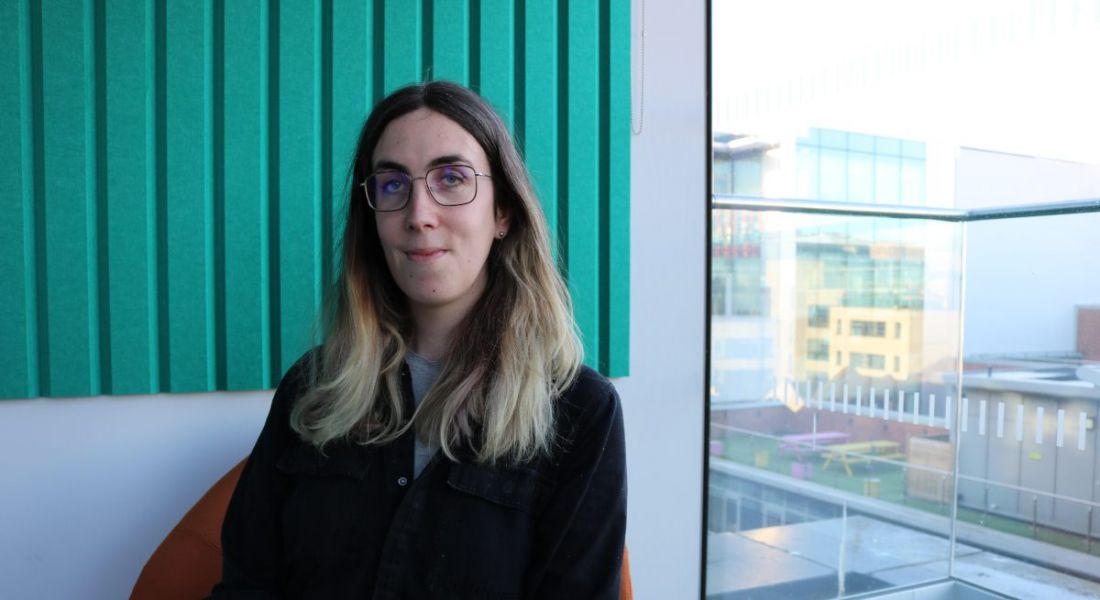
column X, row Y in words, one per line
column 174, row 173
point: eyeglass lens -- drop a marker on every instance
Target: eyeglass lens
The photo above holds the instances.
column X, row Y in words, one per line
column 449, row 185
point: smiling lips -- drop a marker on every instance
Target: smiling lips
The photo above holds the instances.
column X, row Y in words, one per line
column 424, row 255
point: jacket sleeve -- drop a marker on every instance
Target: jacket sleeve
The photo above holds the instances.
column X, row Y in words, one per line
column 582, row 535
column 251, row 534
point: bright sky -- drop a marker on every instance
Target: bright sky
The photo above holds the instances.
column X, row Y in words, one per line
column 1019, row 76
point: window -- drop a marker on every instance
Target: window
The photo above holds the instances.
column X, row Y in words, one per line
column 720, row 301
column 819, row 316
column 817, row 349
column 828, row 116
column 738, row 283
column 850, row 167
column 870, row 361
column 723, row 174
column 869, row 328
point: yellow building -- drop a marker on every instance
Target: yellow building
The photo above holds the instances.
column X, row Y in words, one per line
column 870, row 342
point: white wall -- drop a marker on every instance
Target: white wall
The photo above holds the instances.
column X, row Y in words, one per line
column 1026, row 276
column 664, row 395
column 89, row 487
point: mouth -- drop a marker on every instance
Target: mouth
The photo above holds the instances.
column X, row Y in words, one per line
column 424, row 255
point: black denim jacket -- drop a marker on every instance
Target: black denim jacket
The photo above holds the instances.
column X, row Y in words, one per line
column 355, row 523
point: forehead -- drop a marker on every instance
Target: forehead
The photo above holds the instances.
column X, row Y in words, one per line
column 415, row 139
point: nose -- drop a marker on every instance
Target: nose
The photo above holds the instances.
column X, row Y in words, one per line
column 421, row 211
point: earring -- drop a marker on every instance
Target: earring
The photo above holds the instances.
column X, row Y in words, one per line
column 500, row 234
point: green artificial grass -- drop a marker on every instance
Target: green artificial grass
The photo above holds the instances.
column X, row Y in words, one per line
column 891, row 488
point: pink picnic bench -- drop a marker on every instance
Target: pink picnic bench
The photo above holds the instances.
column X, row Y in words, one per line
column 800, row 443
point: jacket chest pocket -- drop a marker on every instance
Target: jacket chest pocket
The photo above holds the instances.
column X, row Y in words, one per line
column 485, row 528
column 324, row 515
column 519, row 489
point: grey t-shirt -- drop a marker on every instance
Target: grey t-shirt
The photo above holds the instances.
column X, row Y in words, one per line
column 424, row 372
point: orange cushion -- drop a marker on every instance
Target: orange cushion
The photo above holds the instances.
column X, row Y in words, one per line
column 626, row 588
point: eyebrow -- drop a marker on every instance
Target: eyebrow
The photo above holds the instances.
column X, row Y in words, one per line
column 446, row 159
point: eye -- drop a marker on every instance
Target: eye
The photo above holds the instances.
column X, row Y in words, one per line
column 390, row 183
column 451, row 176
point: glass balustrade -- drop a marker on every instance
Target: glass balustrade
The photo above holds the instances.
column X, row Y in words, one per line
column 901, row 396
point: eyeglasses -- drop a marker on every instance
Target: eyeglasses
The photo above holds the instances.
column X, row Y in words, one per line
column 448, row 185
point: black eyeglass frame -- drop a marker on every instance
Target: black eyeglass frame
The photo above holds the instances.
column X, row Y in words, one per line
column 408, row 195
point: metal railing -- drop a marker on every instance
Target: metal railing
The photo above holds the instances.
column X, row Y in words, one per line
column 733, row 202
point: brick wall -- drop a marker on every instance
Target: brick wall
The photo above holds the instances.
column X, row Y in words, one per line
column 1088, row 332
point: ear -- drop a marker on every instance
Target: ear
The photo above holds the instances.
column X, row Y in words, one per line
column 504, row 219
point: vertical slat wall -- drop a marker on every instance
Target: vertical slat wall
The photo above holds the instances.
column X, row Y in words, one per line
column 18, row 188
column 174, row 173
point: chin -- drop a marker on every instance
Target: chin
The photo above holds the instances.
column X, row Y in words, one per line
column 430, row 301
column 426, row 298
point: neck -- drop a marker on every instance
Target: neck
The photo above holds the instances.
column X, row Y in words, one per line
column 434, row 330
column 435, row 324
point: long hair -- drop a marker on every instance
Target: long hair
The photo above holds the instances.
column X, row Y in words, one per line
column 508, row 360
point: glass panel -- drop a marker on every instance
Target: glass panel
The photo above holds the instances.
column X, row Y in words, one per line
column 861, row 177
column 820, row 467
column 1028, row 445
column 887, row 179
column 807, row 180
column 961, row 106
column 833, row 174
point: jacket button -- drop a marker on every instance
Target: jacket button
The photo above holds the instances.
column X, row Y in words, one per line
column 401, row 481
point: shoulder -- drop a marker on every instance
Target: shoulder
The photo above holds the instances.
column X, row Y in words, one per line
column 589, row 400
column 590, row 386
column 298, row 378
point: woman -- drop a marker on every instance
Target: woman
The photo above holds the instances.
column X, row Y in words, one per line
column 444, row 441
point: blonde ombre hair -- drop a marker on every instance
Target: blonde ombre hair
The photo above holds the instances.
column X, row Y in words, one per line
column 508, row 361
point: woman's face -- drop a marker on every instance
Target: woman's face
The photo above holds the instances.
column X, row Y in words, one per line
column 437, row 254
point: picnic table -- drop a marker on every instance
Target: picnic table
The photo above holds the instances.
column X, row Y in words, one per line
column 801, row 442
column 861, row 453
